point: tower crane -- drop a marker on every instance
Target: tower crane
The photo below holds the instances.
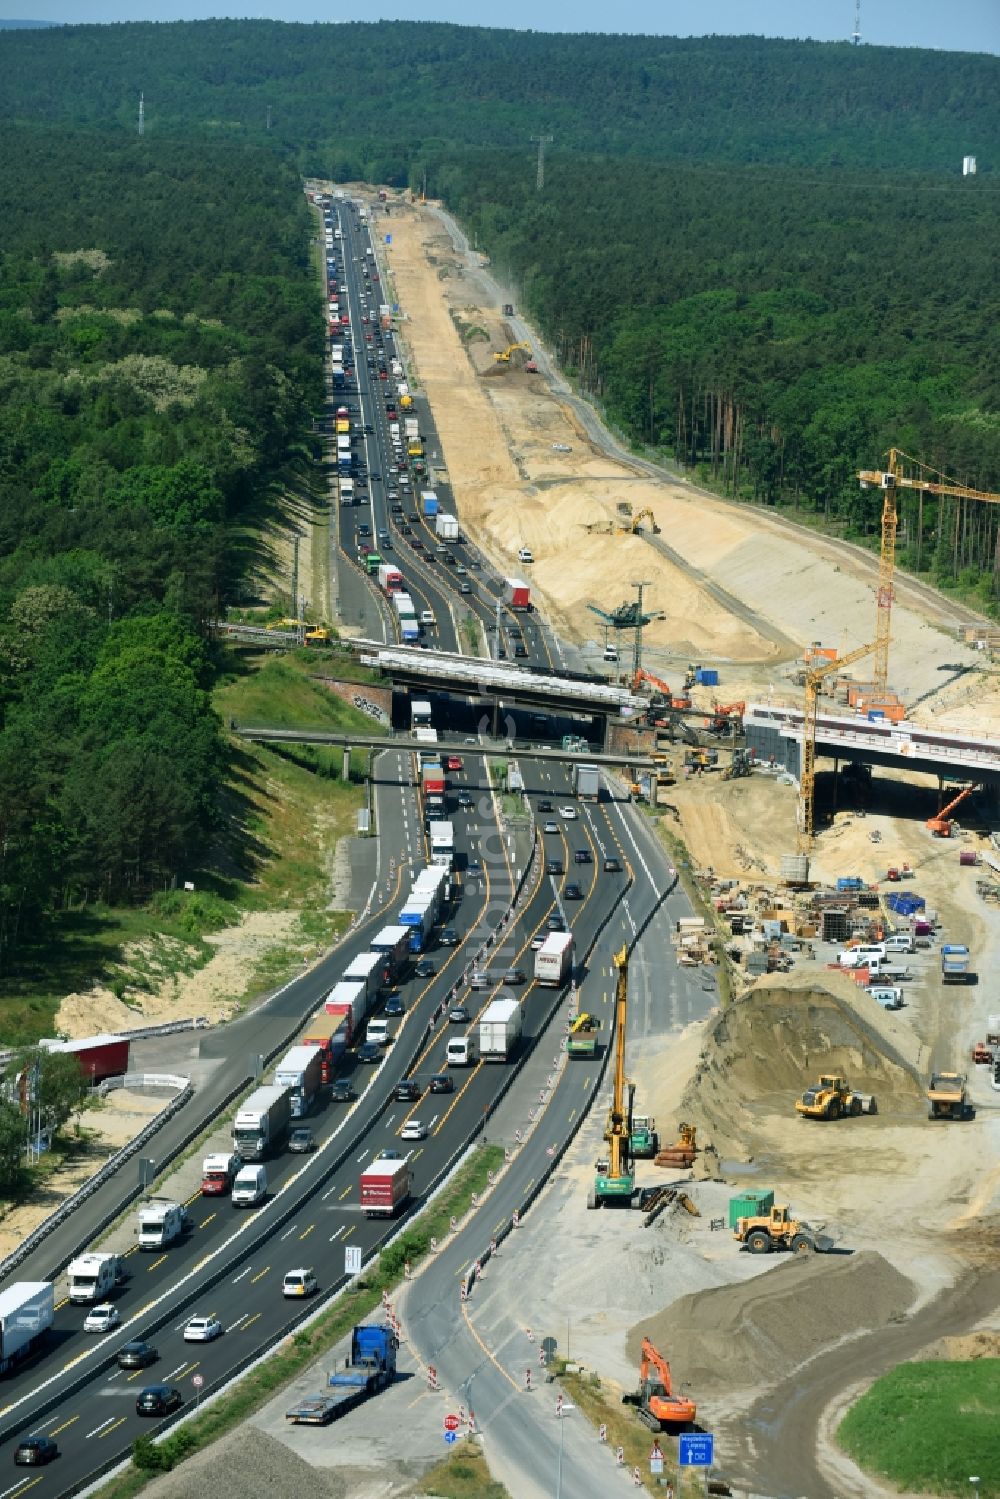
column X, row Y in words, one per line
column 807, row 777
column 890, row 480
column 615, row 1179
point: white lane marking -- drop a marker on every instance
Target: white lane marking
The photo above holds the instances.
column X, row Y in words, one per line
column 337, row 1235
column 362, row 1156
column 288, row 1232
column 89, row 1434
column 242, row 1275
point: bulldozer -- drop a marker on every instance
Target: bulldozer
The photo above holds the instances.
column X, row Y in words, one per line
column 682, row 1153
column 834, row 1098
column 655, row 1400
column 947, row 1096
column 775, row 1230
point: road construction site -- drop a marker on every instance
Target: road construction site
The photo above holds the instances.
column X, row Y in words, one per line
column 911, row 1205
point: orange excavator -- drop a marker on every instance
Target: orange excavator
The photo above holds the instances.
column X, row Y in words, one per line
column 940, row 825
column 726, row 718
column 657, row 1404
column 660, row 686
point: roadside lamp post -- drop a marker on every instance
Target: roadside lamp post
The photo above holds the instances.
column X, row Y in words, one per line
column 563, row 1409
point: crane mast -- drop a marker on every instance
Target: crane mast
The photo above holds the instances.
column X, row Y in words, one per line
column 615, row 1179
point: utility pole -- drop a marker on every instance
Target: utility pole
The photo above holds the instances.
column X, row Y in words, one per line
column 142, row 114
column 268, row 126
column 637, row 642
column 541, row 141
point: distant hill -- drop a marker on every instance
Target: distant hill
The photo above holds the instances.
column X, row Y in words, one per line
column 395, row 88
column 26, row 25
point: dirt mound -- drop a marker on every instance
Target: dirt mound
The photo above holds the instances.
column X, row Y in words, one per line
column 766, row 1048
column 246, row 1464
column 732, row 1337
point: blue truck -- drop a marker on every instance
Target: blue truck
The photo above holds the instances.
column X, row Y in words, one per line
column 369, row 1369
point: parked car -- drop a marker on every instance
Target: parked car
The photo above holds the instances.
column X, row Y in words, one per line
column 301, row 1141
column 158, row 1400
column 34, row 1452
column 137, row 1355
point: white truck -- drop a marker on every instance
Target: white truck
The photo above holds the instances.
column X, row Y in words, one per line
column 443, row 843
column 93, row 1277
column 462, row 1051
column 261, row 1125
column 587, row 782
column 161, row 1223
column 554, row 960
column 411, row 428
column 299, row 1071
column 500, row 1030
column 27, row 1311
column 446, row 527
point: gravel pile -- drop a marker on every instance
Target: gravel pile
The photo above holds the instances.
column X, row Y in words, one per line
column 732, row 1337
column 247, row 1464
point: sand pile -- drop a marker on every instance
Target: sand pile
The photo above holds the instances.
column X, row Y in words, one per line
column 763, row 1050
column 247, row 1464
column 731, row 1337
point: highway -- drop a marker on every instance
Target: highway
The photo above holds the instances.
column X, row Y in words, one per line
column 232, row 1261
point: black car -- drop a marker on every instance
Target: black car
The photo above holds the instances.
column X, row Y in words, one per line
column 572, row 892
column 407, row 1091
column 364, row 530
column 158, row 1400
column 375, row 474
column 424, row 969
column 459, row 1015
column 556, row 923
column 370, row 1052
column 545, row 806
column 520, row 650
column 465, row 800
column 515, row 976
column 136, row 1355
column 583, row 856
column 612, row 866
column 341, row 1091
column 442, row 1083
column 394, row 1005
column 449, row 937
column 34, row 1451
column 554, row 866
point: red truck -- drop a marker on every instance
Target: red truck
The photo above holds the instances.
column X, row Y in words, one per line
column 385, row 1186
column 330, row 1034
column 516, row 593
column 99, row 1056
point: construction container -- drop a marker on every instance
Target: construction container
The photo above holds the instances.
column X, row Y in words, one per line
column 795, row 868
column 856, row 690
column 968, row 856
column 707, row 676
column 751, row 1204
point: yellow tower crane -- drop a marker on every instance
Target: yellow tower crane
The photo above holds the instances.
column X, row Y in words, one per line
column 889, row 480
column 615, row 1179
column 807, row 776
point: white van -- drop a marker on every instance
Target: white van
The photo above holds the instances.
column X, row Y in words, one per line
column 861, row 957
column 611, row 653
column 524, row 555
column 887, row 995
column 900, row 942
column 427, row 617
column 463, row 1051
column 378, row 1032
column 250, row 1186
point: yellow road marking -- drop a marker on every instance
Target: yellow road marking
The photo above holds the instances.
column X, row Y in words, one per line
column 115, row 1427
column 260, row 1275
column 64, row 1427
column 157, row 1262
column 308, row 1231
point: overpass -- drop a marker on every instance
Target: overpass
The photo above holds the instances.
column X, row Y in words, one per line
column 503, row 749
column 773, row 729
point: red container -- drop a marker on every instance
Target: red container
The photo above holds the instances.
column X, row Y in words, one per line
column 968, row 856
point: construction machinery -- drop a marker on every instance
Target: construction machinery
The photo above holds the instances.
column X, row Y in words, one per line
column 947, row 1096
column 626, row 527
column 614, row 1182
column 683, row 1151
column 637, row 522
column 890, row 480
column 726, row 718
column 740, row 765
column 630, row 616
column 807, row 777
column 941, row 825
column 503, row 357
column 776, row 1230
column 660, row 689
column 582, row 1038
column 834, row 1098
column 655, row 1400
column 644, row 1141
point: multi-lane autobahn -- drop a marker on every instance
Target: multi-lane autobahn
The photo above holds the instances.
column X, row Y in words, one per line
column 231, row 1262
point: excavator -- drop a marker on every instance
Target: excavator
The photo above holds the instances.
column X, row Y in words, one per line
column 941, row 825
column 503, row 357
column 659, row 686
column 657, row 1404
column 635, row 525
column 726, row 718
column 582, row 1038
column 615, row 1178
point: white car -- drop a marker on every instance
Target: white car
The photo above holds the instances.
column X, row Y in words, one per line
column 569, row 813
column 561, row 447
column 413, row 1130
column 537, row 941
column 102, row 1319
column 299, row 1283
column 202, row 1330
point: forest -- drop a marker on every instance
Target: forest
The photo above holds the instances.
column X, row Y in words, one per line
column 159, row 356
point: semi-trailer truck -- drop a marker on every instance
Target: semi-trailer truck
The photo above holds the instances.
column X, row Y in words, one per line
column 587, row 783
column 446, row 527
column 261, row 1125
column 393, row 942
column 27, row 1311
column 370, row 1368
column 499, row 1030
column 385, row 1186
column 516, row 594
column 428, row 502
column 300, row 1072
column 954, row 963
column 554, row 960
column 329, row 1035
column 443, row 843
column 94, row 1277
column 349, row 1002
column 367, row 968
column 390, row 578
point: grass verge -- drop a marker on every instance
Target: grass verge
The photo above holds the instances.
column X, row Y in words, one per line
column 298, row 1351
column 461, row 1475
column 602, row 1406
column 926, row 1427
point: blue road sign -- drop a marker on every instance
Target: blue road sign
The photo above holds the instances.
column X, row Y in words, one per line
column 388, row 239
column 696, row 1449
column 451, row 1436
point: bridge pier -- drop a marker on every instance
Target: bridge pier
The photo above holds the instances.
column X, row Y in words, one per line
column 345, row 769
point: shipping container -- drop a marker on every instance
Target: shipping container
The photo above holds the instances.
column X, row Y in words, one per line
column 98, row 1056
column 330, row 1035
column 750, row 1204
